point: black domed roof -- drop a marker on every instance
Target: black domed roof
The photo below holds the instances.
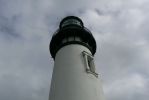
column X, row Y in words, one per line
column 71, row 20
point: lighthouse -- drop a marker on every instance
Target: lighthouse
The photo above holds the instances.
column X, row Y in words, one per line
column 74, row 75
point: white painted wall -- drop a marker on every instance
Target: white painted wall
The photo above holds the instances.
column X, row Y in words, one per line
column 70, row 80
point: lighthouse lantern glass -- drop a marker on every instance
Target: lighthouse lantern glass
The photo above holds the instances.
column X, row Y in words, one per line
column 71, row 22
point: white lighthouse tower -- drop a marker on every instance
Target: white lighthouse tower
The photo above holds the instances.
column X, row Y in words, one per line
column 74, row 76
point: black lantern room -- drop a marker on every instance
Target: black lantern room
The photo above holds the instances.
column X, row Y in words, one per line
column 72, row 31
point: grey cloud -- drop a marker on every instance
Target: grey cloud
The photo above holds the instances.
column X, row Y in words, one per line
column 135, row 83
column 120, row 28
column 7, row 27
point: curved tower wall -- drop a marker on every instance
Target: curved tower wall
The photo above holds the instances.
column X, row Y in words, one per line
column 70, row 81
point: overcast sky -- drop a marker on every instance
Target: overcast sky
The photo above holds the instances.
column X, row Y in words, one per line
column 120, row 27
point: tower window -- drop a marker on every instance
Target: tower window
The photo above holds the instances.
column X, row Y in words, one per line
column 89, row 63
